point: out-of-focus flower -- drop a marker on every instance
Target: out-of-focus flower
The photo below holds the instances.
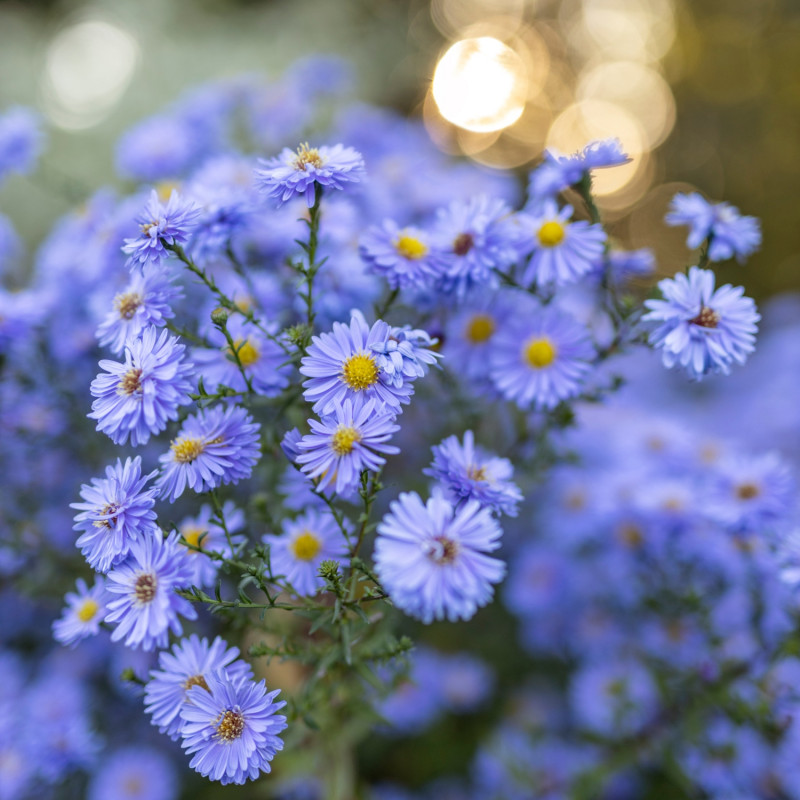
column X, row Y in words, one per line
column 21, row 141
column 84, row 613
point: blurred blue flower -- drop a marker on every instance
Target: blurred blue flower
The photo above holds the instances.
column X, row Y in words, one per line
column 21, row 141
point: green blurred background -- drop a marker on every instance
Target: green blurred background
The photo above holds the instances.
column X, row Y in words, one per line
column 705, row 94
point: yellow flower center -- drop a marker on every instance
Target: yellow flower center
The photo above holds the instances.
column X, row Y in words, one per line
column 307, row 155
column 246, row 350
column 551, row 234
column 539, row 353
column 127, row 304
column 187, row 449
column 305, row 546
column 360, row 371
column 747, row 491
column 230, row 727
column 480, row 329
column 476, row 473
column 195, row 680
column 343, row 440
column 192, row 536
column 130, row 382
column 410, row 247
column 165, row 189
column 145, row 587
column 88, row 609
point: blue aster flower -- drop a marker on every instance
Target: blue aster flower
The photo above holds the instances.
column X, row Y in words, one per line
column 187, row 664
column 306, row 542
column 405, row 355
column 346, row 442
column 145, row 301
column 138, row 397
column 561, row 252
column 117, row 510
column 297, row 173
column 479, row 239
column 231, row 729
column 541, row 360
column 468, row 472
column 262, row 360
column 147, row 607
column 161, row 225
column 729, row 232
column 432, row 558
column 21, row 141
column 215, row 446
column 134, row 773
column 407, row 257
column 342, row 364
column 84, row 612
column 703, row 329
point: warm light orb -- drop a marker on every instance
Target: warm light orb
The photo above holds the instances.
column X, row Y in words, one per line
column 480, row 85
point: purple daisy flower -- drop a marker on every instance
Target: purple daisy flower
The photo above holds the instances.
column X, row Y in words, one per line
column 407, row 257
column 561, row 252
column 702, row 329
column 231, row 728
column 729, row 232
column 346, row 442
column 134, row 773
column 21, row 141
column 292, row 173
column 116, row 511
column 541, row 360
column 215, row 446
column 143, row 302
column 187, row 664
column 263, row 361
column 479, row 239
column 432, row 558
column 470, row 473
column 342, row 364
column 161, row 225
column 147, row 608
column 305, row 543
column 138, row 398
column 84, row 612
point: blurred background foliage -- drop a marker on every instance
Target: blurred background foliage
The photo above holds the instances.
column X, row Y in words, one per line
column 704, row 94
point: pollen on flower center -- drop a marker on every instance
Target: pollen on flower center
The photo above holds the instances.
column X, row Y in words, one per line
column 360, row 371
column 88, row 609
column 305, row 546
column 343, row 440
column 107, row 509
column 246, row 350
column 480, row 328
column 410, row 247
column 148, row 226
column 187, row 449
column 230, row 727
column 307, row 155
column 193, row 536
column 145, row 587
column 707, row 318
column 539, row 353
column 551, row 234
column 130, row 382
column 195, row 680
column 747, row 491
column 476, row 473
column 443, row 550
column 127, row 304
column 463, row 244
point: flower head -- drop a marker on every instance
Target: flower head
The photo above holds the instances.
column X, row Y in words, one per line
column 187, row 664
column 231, row 728
column 147, row 607
column 116, row 511
column 561, row 251
column 703, row 329
column 470, row 473
column 432, row 558
column 729, row 232
column 306, row 542
column 134, row 773
column 21, row 141
column 541, row 360
column 343, row 364
column 298, row 172
column 84, row 613
column 138, row 397
column 161, row 225
column 215, row 446
column 346, row 442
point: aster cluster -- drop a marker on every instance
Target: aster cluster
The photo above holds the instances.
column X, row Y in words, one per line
column 353, row 394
